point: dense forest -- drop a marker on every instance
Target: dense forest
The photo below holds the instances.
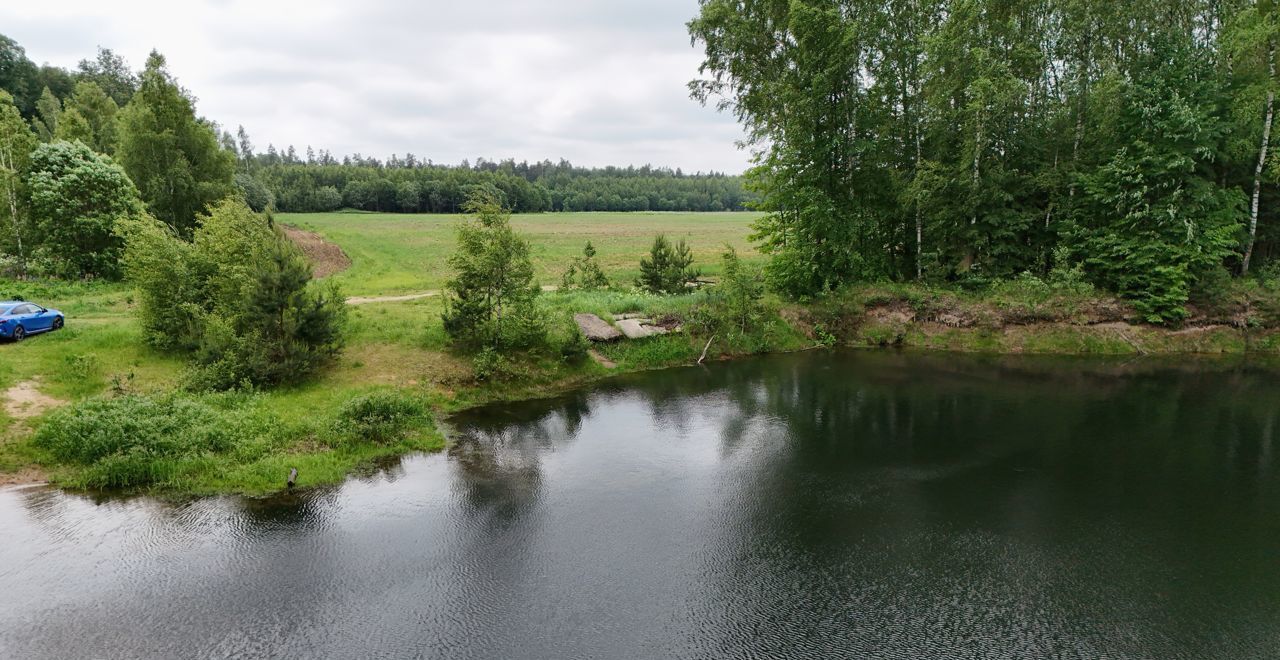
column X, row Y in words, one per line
column 968, row 140
column 319, row 182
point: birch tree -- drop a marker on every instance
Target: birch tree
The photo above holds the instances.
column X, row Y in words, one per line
column 16, row 144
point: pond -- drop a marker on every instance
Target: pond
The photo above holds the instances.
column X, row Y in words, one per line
column 895, row 505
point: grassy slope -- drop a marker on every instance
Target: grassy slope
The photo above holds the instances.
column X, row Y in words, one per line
column 394, row 254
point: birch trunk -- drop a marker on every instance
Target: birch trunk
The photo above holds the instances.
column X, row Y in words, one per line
column 919, row 213
column 8, row 170
column 1262, row 156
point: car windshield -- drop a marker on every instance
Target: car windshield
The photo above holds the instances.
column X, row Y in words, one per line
column 5, row 309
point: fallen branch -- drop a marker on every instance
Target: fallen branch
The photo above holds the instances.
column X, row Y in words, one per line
column 704, row 349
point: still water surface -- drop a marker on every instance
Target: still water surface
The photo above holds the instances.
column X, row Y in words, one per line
column 817, row 505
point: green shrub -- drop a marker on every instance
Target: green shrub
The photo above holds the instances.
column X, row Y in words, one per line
column 571, row 345
column 734, row 306
column 489, row 364
column 1068, row 277
column 381, row 417
column 584, row 273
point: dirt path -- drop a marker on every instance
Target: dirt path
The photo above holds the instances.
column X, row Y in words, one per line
column 326, row 258
column 366, row 300
column 430, row 293
column 24, row 400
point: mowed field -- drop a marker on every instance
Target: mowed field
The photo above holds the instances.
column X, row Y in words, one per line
column 401, row 254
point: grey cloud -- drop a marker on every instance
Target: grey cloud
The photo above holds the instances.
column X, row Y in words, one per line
column 598, row 82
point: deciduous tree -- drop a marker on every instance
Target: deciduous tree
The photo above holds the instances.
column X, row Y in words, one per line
column 77, row 197
column 490, row 300
column 172, row 155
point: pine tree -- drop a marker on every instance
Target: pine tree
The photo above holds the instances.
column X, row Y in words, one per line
column 668, row 268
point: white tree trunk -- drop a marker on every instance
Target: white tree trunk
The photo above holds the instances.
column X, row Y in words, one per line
column 977, row 157
column 919, row 213
column 7, row 166
column 1262, row 157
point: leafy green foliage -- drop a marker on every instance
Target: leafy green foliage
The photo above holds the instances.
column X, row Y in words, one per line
column 254, row 193
column 19, row 76
column 76, row 199
column 172, row 156
column 16, row 144
column 48, row 114
column 110, row 73
column 733, row 307
column 490, row 300
column 90, row 117
column 667, row 268
column 1156, row 220
column 584, row 273
column 239, row 298
column 966, row 141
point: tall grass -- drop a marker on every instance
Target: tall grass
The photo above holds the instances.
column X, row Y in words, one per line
column 185, row 442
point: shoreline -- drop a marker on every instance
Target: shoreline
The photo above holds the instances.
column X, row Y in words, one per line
column 875, row 317
column 38, row 477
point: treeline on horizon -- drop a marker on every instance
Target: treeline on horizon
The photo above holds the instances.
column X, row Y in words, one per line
column 968, row 141
column 86, row 101
column 319, row 182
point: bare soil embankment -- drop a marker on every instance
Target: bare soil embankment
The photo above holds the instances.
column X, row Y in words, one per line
column 326, row 258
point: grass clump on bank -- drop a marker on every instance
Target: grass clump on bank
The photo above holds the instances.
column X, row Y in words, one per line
column 206, row 443
column 140, row 440
column 381, row 417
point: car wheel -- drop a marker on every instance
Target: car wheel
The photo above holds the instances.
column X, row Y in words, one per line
column 19, row 333
column 57, row 323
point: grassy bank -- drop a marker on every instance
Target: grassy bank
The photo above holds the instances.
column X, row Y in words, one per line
column 94, row 407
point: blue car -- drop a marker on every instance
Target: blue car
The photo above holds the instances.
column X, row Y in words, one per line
column 19, row 319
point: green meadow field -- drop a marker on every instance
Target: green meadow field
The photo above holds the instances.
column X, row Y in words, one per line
column 400, row 254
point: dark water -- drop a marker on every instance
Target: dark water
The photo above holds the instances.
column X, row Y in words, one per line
column 819, row 505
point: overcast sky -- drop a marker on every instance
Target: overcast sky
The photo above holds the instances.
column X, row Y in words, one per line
column 600, row 82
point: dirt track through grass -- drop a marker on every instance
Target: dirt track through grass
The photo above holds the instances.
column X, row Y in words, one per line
column 369, row 300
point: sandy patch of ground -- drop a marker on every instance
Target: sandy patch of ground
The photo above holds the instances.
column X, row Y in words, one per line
column 896, row 313
column 24, row 400
column 326, row 258
column 24, row 477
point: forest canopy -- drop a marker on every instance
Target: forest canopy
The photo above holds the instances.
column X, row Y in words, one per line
column 972, row 140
